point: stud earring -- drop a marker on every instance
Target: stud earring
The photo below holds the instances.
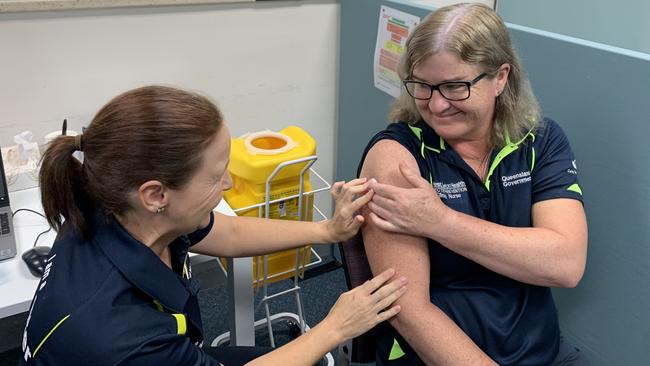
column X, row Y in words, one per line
column 160, row 209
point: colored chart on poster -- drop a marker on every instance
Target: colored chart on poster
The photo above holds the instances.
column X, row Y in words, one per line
column 394, row 28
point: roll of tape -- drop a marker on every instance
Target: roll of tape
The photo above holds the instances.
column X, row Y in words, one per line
column 286, row 142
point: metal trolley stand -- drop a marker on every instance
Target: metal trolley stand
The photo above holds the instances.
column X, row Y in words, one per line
column 261, row 262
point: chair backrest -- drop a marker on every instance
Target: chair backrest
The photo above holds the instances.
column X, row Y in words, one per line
column 357, row 272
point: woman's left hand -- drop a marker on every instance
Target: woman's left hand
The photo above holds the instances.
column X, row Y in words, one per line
column 415, row 211
column 363, row 307
column 350, row 197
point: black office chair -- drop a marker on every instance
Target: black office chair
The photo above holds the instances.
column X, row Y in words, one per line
column 357, row 271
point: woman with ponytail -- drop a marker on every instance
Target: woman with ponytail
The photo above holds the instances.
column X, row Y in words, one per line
column 118, row 290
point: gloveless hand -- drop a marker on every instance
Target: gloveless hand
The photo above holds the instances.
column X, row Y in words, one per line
column 407, row 210
column 350, row 197
column 360, row 309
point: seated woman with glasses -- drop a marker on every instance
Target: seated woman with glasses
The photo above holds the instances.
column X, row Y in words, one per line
column 477, row 203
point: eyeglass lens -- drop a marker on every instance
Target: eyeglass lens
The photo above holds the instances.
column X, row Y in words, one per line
column 451, row 91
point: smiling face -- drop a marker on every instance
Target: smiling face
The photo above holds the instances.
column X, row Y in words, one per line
column 465, row 120
column 189, row 208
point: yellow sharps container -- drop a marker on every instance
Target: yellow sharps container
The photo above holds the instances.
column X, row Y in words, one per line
column 253, row 158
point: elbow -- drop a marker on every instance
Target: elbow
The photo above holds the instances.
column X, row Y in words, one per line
column 571, row 272
column 570, row 278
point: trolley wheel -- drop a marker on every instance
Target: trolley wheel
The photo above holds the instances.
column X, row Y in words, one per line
column 294, row 328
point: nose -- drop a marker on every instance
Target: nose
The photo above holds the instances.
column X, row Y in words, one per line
column 437, row 103
column 227, row 181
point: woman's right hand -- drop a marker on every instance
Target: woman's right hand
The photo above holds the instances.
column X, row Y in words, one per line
column 360, row 309
column 416, row 211
column 350, row 197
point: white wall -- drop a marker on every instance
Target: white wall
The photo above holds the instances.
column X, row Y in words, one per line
column 267, row 65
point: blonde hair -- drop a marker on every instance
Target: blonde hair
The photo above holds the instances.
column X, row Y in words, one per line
column 478, row 36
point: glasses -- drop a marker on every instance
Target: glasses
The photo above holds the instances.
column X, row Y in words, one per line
column 450, row 90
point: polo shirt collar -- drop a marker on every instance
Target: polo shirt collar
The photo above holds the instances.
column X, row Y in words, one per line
column 432, row 142
column 140, row 265
column 428, row 137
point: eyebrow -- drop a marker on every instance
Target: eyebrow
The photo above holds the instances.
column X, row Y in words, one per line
column 443, row 81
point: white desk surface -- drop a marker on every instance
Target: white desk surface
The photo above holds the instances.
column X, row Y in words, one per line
column 17, row 284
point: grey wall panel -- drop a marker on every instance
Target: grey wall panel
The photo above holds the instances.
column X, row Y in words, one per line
column 599, row 95
column 617, row 23
column 362, row 107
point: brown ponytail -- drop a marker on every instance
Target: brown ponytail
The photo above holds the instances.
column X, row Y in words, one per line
column 149, row 133
column 61, row 184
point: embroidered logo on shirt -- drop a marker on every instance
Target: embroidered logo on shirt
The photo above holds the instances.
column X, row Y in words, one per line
column 450, row 190
column 573, row 171
column 515, row 179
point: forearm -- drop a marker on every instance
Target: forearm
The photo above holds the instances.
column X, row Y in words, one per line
column 534, row 255
column 249, row 236
column 436, row 338
column 304, row 350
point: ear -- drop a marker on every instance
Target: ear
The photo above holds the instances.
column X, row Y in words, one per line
column 501, row 79
column 152, row 195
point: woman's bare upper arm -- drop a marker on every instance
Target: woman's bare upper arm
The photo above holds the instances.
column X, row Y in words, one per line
column 408, row 255
column 217, row 243
column 566, row 217
column 563, row 215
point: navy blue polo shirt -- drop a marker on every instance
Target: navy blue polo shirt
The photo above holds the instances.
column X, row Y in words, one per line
column 513, row 322
column 112, row 301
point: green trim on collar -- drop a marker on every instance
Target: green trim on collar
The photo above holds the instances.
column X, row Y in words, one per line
column 417, row 131
column 532, row 161
column 431, row 148
column 506, row 135
column 529, row 134
column 505, row 151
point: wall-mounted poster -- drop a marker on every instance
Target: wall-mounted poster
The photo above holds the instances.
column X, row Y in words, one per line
column 394, row 28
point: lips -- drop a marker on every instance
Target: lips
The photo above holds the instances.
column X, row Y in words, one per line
column 447, row 116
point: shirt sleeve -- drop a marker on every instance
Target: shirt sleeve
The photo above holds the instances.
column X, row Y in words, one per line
column 555, row 171
column 200, row 234
column 164, row 350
